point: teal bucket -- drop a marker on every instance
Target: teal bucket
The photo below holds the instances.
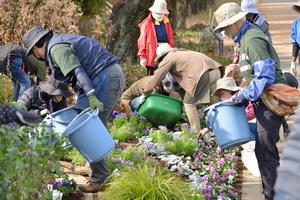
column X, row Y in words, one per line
column 89, row 136
column 229, row 124
column 59, row 120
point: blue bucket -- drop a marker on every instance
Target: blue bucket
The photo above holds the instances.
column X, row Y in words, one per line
column 89, row 136
column 229, row 124
column 59, row 120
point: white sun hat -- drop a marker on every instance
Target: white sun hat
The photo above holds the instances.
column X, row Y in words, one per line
column 159, row 6
column 162, row 50
column 249, row 6
column 227, row 14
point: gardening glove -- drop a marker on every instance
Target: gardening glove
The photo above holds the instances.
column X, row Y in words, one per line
column 143, row 62
column 26, row 117
column 192, row 115
column 44, row 112
column 142, row 99
column 95, row 103
column 240, row 99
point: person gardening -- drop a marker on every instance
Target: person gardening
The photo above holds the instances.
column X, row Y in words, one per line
column 94, row 73
column 12, row 64
column 10, row 114
column 226, row 89
column 154, row 30
column 133, row 96
column 259, row 64
column 196, row 74
column 49, row 96
column 295, row 39
column 254, row 17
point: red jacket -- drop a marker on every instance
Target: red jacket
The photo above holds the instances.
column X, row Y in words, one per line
column 147, row 42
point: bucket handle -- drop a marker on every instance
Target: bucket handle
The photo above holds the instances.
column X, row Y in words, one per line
column 87, row 110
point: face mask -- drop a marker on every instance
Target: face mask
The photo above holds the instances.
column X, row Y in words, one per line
column 158, row 16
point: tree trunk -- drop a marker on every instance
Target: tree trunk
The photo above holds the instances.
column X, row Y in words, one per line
column 123, row 30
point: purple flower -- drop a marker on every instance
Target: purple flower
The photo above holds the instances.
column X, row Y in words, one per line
column 220, row 162
column 216, row 176
column 205, row 179
column 233, row 165
column 229, row 172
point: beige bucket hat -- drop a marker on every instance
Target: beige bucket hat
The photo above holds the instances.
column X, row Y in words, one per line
column 227, row 14
column 162, row 50
column 296, row 6
column 227, row 83
column 159, row 6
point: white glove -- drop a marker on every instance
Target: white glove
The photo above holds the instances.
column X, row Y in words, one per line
column 293, row 69
column 143, row 62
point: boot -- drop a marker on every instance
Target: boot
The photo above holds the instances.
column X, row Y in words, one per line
column 293, row 69
column 91, row 187
column 192, row 115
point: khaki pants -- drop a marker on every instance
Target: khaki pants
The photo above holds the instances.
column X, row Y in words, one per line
column 203, row 95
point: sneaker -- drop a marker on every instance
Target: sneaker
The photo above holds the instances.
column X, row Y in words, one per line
column 91, row 187
column 293, row 69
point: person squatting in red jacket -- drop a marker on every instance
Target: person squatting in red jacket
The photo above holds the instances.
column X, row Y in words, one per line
column 154, row 30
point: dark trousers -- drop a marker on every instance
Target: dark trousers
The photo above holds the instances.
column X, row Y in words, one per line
column 268, row 125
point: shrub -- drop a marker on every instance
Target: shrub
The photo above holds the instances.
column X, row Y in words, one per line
column 132, row 72
column 147, row 182
column 27, row 163
column 6, row 93
column 16, row 17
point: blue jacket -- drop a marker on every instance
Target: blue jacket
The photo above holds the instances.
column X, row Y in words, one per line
column 295, row 31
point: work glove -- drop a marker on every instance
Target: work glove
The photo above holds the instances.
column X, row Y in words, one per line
column 240, row 99
column 142, row 99
column 26, row 117
column 143, row 62
column 95, row 103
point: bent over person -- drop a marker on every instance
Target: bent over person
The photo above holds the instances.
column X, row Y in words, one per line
column 94, row 73
column 259, row 64
column 196, row 74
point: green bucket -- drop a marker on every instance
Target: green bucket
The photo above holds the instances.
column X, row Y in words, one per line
column 161, row 110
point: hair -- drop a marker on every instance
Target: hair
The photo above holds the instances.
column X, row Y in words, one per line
column 44, row 39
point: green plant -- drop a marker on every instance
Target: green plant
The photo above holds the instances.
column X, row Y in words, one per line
column 75, row 157
column 182, row 147
column 128, row 157
column 28, row 159
column 147, row 182
column 123, row 129
column 160, row 136
column 6, row 93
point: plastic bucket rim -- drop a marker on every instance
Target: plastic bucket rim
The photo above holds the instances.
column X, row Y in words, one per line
column 57, row 112
column 95, row 112
column 163, row 96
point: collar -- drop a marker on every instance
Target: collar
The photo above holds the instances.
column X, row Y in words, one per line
column 243, row 30
column 165, row 21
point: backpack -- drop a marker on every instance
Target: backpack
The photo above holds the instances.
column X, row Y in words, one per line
column 281, row 99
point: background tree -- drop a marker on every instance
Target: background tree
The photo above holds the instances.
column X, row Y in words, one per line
column 17, row 16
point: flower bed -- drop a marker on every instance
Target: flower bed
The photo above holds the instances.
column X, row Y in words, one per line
column 210, row 171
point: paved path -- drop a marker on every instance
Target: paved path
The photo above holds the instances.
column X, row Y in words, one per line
column 280, row 16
